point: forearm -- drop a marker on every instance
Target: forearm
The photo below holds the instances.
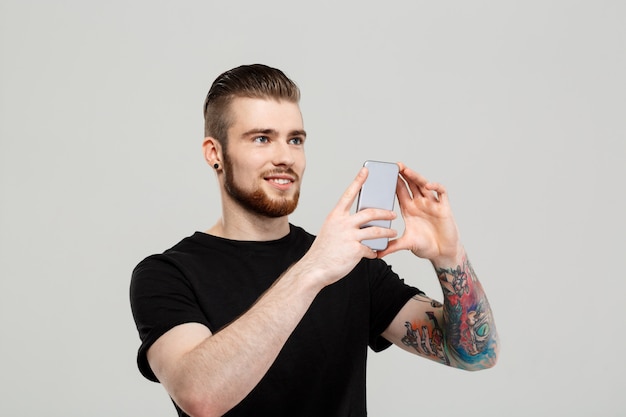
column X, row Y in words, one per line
column 224, row 368
column 471, row 340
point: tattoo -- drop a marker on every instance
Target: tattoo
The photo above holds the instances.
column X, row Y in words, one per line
column 469, row 325
column 424, row 299
column 430, row 343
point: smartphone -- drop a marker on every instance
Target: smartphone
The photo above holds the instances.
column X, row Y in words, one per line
column 378, row 191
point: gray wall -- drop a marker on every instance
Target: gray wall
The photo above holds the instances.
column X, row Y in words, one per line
column 517, row 107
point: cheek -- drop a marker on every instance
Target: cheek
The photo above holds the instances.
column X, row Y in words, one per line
column 301, row 162
column 245, row 167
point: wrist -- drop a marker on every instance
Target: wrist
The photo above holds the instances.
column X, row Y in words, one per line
column 308, row 276
column 451, row 258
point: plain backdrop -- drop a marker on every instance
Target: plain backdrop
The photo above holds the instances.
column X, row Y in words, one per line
column 518, row 107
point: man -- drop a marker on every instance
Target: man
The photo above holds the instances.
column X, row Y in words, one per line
column 257, row 317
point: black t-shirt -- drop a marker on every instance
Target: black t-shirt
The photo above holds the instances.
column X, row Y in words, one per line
column 321, row 369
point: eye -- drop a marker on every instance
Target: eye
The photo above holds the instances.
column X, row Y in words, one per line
column 261, row 139
column 296, row 141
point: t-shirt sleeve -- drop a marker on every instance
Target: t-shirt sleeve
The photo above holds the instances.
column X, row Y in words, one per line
column 388, row 294
column 161, row 298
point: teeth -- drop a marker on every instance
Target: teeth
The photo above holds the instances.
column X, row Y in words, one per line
column 280, row 181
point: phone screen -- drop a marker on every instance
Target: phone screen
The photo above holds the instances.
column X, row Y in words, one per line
column 378, row 191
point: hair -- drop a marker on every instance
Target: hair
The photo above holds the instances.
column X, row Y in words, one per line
column 252, row 81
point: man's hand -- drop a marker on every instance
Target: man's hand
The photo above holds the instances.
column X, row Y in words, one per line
column 430, row 230
column 459, row 332
column 338, row 248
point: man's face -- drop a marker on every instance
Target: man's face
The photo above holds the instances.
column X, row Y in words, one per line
column 264, row 161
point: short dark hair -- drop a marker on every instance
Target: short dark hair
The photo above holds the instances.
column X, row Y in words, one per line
column 252, row 81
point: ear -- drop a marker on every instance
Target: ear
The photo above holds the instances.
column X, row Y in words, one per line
column 212, row 150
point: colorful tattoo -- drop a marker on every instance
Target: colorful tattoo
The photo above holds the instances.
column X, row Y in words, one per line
column 429, row 343
column 470, row 331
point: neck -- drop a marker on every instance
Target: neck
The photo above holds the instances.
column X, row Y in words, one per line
column 237, row 223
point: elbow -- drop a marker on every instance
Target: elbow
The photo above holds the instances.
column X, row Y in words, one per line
column 492, row 362
column 475, row 367
column 486, row 359
column 487, row 362
column 197, row 405
column 198, row 409
column 200, row 412
column 492, row 355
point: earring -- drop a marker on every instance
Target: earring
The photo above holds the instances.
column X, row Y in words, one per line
column 216, row 166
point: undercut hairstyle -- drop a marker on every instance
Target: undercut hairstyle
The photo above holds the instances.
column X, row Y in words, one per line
column 250, row 81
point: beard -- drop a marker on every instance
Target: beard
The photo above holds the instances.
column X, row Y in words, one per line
column 257, row 200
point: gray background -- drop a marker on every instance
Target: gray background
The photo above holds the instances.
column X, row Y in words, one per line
column 517, row 107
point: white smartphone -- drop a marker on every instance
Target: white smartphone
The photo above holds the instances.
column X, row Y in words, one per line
column 378, row 191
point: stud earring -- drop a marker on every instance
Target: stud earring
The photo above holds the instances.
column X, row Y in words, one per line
column 216, row 166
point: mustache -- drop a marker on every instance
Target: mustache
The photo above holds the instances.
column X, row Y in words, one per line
column 287, row 171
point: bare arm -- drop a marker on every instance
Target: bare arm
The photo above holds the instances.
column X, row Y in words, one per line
column 208, row 374
column 460, row 332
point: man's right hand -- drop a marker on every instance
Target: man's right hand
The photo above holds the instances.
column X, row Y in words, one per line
column 338, row 248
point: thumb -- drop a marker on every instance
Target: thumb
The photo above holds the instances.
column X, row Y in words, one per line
column 394, row 245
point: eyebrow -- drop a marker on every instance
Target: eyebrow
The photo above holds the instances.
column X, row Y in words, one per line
column 274, row 132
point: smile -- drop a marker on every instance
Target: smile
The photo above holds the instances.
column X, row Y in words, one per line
column 281, row 181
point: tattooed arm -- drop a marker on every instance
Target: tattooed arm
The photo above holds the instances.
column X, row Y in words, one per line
column 461, row 331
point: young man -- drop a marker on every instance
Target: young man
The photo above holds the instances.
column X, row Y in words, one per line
column 257, row 317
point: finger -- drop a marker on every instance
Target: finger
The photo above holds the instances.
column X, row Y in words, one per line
column 376, row 232
column 403, row 182
column 372, row 214
column 417, row 183
column 394, row 245
column 368, row 253
column 415, row 189
column 438, row 191
column 348, row 197
column 402, row 191
column 414, row 176
column 404, row 196
column 430, row 190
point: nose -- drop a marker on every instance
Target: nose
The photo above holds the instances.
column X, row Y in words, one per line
column 283, row 154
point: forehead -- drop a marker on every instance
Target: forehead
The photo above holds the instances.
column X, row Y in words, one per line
column 260, row 113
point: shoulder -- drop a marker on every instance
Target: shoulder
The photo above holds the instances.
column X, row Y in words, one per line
column 189, row 247
column 384, row 281
column 170, row 263
column 297, row 232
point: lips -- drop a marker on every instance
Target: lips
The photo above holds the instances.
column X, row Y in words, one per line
column 281, row 180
